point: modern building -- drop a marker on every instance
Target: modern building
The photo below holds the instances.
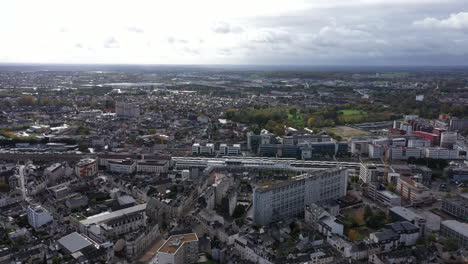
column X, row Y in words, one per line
column 322, row 221
column 124, row 109
column 395, row 235
column 278, row 150
column 412, row 191
column 288, row 198
column 404, row 153
column 456, row 174
column 152, row 166
column 179, row 249
column 457, row 206
column 197, row 148
column 458, row 124
column 126, row 166
column 448, row 139
column 38, row 216
column 225, row 149
column 371, row 172
column 456, row 230
column 86, row 168
column 441, row 153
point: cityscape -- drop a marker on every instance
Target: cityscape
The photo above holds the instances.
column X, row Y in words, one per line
column 263, row 159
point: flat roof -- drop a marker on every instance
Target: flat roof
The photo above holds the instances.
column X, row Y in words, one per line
column 175, row 242
column 459, row 227
column 74, row 242
column 99, row 218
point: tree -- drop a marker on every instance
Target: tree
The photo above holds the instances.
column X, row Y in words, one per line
column 353, row 234
column 238, row 211
column 368, row 213
column 26, row 100
column 450, row 244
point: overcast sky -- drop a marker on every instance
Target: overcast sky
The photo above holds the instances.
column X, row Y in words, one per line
column 314, row 32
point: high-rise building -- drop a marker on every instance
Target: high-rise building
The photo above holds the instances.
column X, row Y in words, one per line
column 38, row 216
column 289, row 198
column 86, row 168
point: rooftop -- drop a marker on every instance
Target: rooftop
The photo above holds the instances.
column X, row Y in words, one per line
column 175, row 242
column 74, row 242
column 106, row 216
column 459, row 227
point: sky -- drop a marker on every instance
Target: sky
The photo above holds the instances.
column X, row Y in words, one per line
column 259, row 32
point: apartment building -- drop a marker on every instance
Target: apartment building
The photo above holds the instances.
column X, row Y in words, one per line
column 123, row 109
column 412, row 191
column 197, row 148
column 225, row 149
column 152, row 166
column 126, row 166
column 86, row 168
column 289, row 198
column 38, row 216
column 179, row 249
column 370, row 172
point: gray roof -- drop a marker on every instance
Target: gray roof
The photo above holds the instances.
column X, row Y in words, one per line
column 459, row 227
column 106, row 216
column 74, row 242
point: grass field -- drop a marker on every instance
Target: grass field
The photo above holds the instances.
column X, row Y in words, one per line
column 348, row 112
column 296, row 119
column 347, row 132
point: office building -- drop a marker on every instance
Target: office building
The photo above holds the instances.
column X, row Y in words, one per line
column 126, row 166
column 458, row 124
column 441, row 153
column 456, row 174
column 197, row 148
column 288, row 198
column 225, row 149
column 179, row 249
column 370, row 172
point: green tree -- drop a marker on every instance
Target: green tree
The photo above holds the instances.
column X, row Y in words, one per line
column 450, row 244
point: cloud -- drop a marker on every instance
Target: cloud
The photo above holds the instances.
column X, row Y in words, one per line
column 226, row 28
column 78, row 45
column 111, row 43
column 454, row 21
column 135, row 30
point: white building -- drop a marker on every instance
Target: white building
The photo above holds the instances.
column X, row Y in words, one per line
column 370, row 172
column 86, row 168
column 419, row 143
column 441, row 153
column 152, row 166
column 123, row 109
column 225, row 149
column 289, row 198
column 38, row 216
column 403, row 153
column 126, row 166
column 197, row 148
column 179, row 249
column 456, row 230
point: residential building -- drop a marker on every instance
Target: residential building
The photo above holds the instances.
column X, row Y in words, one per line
column 458, row 124
column 441, row 153
column 152, row 166
column 179, row 249
column 395, row 235
column 370, row 172
column 38, row 216
column 86, row 168
column 404, row 153
column 456, row 174
column 456, row 230
column 321, row 220
column 412, row 191
column 288, row 198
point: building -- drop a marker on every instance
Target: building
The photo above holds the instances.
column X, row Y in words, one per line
column 38, row 216
column 113, row 224
column 458, row 124
column 225, row 149
column 399, row 213
column 395, row 235
column 370, row 172
column 124, row 109
column 418, row 143
column 278, row 150
column 404, row 153
column 152, row 166
column 448, row 139
column 74, row 242
column 322, row 221
column 288, row 198
column 441, row 153
column 412, row 191
column 456, row 230
column 86, row 168
column 197, row 148
column 179, row 249
column 433, row 138
column 388, row 198
column 457, row 206
column 126, row 166
column 456, row 174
